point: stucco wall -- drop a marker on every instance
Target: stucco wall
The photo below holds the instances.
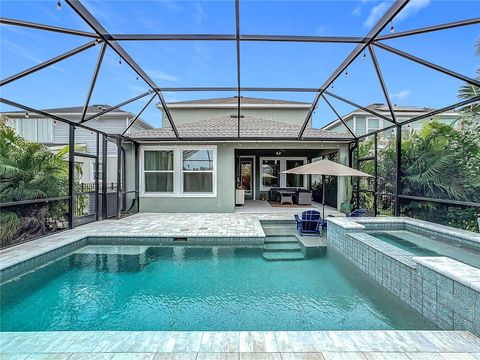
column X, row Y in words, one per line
column 291, row 116
column 225, row 199
column 223, row 202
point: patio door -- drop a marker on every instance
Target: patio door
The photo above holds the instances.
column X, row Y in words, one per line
column 247, row 176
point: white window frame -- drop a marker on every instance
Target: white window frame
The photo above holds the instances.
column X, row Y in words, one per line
column 367, row 125
column 158, row 171
column 283, row 167
column 177, row 171
column 182, row 171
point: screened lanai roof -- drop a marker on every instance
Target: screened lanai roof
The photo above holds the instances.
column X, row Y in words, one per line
column 336, row 56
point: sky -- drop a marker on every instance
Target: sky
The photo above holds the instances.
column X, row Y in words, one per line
column 263, row 64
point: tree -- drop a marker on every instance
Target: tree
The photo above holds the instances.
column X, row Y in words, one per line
column 29, row 171
column 468, row 91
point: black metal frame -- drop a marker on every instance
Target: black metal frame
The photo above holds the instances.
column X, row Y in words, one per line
column 100, row 36
column 372, row 38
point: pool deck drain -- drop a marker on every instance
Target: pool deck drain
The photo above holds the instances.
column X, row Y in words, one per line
column 387, row 344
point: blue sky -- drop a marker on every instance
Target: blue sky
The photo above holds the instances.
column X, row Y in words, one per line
column 176, row 64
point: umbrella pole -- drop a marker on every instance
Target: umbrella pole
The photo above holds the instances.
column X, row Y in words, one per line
column 323, row 199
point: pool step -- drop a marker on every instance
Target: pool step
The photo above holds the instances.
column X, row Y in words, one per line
column 281, row 240
column 282, row 246
column 283, row 256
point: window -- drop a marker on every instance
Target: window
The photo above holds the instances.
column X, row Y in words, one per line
column 158, row 171
column 197, row 168
column 33, row 129
column 181, row 171
column 271, row 172
column 294, row 180
column 373, row 124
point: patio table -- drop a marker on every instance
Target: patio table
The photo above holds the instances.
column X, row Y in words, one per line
column 286, row 196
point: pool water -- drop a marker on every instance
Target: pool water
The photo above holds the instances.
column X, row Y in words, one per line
column 199, row 288
column 422, row 245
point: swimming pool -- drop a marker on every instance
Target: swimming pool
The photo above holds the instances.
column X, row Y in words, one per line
column 422, row 245
column 108, row 287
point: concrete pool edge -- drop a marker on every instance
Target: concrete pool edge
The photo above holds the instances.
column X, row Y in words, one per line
column 439, row 290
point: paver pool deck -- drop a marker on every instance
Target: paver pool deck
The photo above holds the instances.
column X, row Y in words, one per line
column 242, row 345
column 388, row 344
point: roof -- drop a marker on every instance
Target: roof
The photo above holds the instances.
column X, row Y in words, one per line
column 233, row 100
column 382, row 109
column 226, row 127
column 93, row 109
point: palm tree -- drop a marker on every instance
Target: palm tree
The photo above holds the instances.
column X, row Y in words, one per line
column 29, row 171
column 468, row 91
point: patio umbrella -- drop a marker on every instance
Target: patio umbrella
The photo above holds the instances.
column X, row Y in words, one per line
column 269, row 176
column 325, row 167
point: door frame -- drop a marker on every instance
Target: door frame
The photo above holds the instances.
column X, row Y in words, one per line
column 250, row 157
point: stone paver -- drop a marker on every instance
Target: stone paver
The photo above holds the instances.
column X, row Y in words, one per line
column 242, row 345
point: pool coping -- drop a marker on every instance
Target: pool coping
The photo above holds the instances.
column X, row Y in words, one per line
column 443, row 290
column 345, row 343
column 421, row 226
column 465, row 274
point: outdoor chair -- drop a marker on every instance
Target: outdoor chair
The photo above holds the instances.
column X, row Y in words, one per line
column 358, row 213
column 309, row 223
column 302, row 197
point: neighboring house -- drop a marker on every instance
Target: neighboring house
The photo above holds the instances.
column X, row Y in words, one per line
column 362, row 122
column 55, row 134
column 202, row 173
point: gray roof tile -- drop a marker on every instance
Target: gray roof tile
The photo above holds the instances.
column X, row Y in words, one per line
column 243, row 100
column 226, row 127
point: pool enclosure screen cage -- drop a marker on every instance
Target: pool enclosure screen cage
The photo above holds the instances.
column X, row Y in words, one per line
column 373, row 46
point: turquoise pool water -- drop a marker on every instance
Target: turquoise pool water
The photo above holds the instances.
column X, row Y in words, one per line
column 421, row 245
column 199, row 288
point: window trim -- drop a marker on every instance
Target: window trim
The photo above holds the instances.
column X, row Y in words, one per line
column 283, row 167
column 367, row 124
column 159, row 172
column 183, row 171
column 178, row 171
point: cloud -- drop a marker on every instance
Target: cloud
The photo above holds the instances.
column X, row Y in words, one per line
column 162, row 76
column 401, row 95
column 375, row 14
column 171, row 5
column 412, row 8
column 357, row 11
column 199, row 16
column 321, row 30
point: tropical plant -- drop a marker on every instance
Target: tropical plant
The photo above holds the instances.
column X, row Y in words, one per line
column 439, row 161
column 29, row 171
column 468, row 91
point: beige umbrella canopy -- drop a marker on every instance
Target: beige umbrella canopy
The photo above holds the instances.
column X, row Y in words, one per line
column 325, row 167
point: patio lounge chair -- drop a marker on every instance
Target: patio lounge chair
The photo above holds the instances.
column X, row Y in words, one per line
column 309, row 223
column 358, row 213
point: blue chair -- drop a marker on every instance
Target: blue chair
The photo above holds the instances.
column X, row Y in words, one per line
column 358, row 213
column 309, row 223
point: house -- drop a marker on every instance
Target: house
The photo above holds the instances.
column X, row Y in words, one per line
column 362, row 122
column 201, row 172
column 55, row 134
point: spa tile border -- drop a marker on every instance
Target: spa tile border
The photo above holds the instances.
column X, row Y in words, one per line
column 443, row 290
